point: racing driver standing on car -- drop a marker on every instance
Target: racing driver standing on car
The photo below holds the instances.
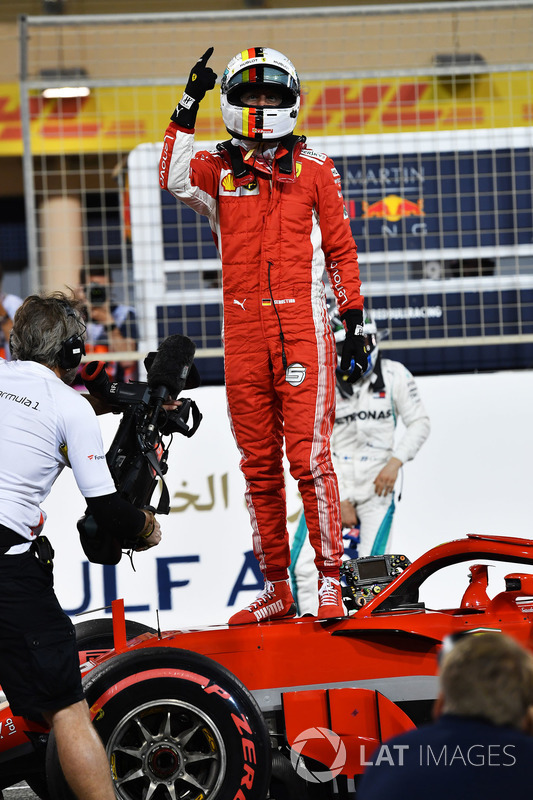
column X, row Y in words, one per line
column 45, row 425
column 277, row 214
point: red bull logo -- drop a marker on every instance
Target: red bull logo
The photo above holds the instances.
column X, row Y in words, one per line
column 392, row 208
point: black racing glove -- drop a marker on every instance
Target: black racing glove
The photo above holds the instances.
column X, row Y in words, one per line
column 354, row 352
column 201, row 80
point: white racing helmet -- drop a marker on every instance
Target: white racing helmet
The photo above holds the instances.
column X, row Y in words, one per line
column 250, row 69
column 370, row 332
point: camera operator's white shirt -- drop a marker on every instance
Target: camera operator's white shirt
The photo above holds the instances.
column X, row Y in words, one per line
column 45, row 425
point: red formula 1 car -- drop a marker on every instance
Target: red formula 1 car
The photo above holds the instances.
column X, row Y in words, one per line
column 286, row 709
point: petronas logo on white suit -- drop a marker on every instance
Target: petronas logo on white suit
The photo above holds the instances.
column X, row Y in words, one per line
column 295, row 374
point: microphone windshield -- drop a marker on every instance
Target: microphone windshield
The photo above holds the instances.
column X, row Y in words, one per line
column 171, row 365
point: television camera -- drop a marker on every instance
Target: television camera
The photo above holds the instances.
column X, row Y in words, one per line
column 137, row 457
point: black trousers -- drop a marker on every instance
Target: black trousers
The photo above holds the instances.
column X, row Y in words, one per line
column 39, row 663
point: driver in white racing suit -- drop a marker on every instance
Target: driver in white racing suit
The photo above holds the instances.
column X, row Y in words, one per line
column 367, row 454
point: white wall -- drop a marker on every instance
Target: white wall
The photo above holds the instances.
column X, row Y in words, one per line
column 473, row 475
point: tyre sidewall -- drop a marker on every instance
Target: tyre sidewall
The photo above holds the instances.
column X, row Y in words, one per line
column 147, row 675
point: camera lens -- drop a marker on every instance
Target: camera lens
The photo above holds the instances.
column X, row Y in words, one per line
column 97, row 294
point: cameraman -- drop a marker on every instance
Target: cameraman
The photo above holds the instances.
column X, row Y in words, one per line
column 111, row 326
column 45, row 426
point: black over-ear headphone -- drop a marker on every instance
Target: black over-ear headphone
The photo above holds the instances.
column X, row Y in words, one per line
column 73, row 348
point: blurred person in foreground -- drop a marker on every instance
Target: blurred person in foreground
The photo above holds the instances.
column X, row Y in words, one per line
column 368, row 454
column 111, row 326
column 479, row 745
column 8, row 305
column 277, row 214
column 45, row 426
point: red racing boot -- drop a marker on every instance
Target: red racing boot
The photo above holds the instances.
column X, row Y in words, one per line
column 274, row 602
column 329, row 597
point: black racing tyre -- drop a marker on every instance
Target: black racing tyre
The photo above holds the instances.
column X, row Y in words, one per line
column 97, row 634
column 176, row 726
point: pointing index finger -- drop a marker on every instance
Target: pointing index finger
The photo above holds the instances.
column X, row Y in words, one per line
column 206, row 56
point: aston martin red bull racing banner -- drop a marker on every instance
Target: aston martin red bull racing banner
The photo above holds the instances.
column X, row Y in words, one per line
column 419, row 203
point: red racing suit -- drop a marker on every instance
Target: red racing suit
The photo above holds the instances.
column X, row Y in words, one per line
column 276, row 232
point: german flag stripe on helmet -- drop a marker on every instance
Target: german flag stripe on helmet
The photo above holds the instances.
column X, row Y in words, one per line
column 253, row 52
column 251, row 118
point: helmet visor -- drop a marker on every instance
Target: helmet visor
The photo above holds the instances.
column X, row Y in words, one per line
column 264, row 76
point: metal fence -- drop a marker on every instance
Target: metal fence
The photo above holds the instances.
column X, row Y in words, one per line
column 425, row 108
